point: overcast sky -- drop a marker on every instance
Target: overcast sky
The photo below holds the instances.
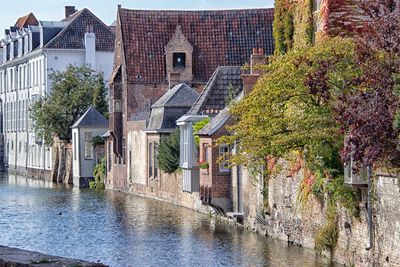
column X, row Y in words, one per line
column 106, row 9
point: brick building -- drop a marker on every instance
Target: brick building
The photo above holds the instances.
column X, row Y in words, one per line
column 155, row 50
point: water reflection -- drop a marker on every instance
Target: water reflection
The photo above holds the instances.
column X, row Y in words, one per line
column 124, row 230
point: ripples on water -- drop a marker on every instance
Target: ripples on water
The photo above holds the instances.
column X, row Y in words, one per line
column 125, row 230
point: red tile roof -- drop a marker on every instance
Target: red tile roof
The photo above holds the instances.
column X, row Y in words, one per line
column 73, row 35
column 219, row 38
column 26, row 20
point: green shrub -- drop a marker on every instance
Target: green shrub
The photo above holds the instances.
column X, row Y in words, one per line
column 99, row 174
column 197, row 127
column 327, row 235
column 168, row 152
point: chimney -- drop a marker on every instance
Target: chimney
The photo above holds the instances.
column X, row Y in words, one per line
column 257, row 59
column 69, row 10
column 90, row 47
column 249, row 80
column 173, row 79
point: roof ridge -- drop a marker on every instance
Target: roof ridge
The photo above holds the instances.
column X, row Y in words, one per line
column 64, row 29
column 79, row 13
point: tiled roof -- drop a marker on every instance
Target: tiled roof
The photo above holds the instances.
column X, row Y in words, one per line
column 213, row 98
column 181, row 95
column 73, row 35
column 218, row 121
column 219, row 38
column 26, row 20
column 91, row 117
column 171, row 106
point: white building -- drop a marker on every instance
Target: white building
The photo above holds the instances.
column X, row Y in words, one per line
column 32, row 49
column 88, row 126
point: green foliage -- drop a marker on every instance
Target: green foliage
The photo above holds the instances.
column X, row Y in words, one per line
column 232, row 92
column 344, row 195
column 304, row 24
column 168, row 152
column 73, row 91
column 99, row 174
column 197, row 127
column 284, row 112
column 97, row 140
column 283, row 26
column 327, row 235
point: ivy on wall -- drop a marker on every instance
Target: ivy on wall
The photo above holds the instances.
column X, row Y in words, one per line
column 293, row 24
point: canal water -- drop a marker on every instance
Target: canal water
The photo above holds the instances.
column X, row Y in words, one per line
column 124, row 230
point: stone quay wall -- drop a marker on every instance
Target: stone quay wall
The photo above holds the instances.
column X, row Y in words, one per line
column 298, row 224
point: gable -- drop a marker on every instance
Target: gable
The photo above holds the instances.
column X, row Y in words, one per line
column 73, row 35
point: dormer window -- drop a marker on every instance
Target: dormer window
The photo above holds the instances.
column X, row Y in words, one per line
column 179, row 60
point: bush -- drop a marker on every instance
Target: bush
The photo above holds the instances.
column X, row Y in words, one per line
column 99, row 174
column 327, row 235
column 197, row 127
column 168, row 152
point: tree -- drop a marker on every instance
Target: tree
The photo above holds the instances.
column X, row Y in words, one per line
column 73, row 91
column 368, row 115
column 291, row 107
column 168, row 152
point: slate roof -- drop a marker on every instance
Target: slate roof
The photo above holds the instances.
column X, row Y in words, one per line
column 171, row 106
column 92, row 117
column 218, row 121
column 26, row 20
column 180, row 95
column 73, row 35
column 213, row 98
column 219, row 38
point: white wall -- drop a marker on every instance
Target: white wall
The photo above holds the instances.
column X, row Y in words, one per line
column 83, row 167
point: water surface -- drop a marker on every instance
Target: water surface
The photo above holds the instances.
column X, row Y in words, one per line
column 124, row 230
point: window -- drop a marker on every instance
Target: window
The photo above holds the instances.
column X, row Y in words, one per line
column 179, row 60
column 155, row 160
column 117, row 106
column 75, row 147
column 150, row 154
column 205, row 152
column 110, row 155
column 123, row 150
column 88, row 146
column 224, row 154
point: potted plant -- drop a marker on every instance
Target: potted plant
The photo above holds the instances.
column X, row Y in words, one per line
column 203, row 165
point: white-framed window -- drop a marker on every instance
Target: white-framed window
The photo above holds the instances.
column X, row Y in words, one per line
column 224, row 154
column 88, row 146
column 75, row 147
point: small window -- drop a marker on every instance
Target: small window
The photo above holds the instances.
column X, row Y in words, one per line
column 179, row 60
column 117, row 106
column 205, row 152
column 155, row 160
column 123, row 150
column 150, row 154
column 88, row 146
column 224, row 154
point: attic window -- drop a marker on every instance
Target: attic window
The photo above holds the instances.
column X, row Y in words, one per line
column 179, row 60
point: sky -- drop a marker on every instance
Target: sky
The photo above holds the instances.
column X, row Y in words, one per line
column 106, row 9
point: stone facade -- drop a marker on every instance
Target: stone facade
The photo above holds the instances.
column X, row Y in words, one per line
column 281, row 216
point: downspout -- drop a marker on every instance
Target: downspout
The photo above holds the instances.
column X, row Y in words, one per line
column 369, row 203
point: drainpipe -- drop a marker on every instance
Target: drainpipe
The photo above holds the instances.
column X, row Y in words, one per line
column 370, row 226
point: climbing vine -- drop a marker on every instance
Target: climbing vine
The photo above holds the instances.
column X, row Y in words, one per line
column 283, row 26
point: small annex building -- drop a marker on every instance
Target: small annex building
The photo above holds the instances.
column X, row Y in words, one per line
column 91, row 124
